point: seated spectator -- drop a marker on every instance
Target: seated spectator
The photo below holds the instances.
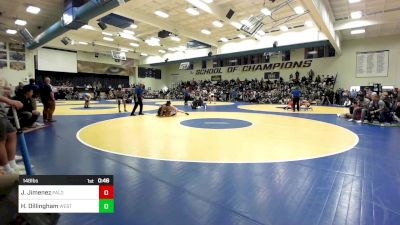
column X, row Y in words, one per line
column 198, row 103
column 360, row 110
column 396, row 110
column 347, row 102
column 168, row 110
column 27, row 114
column 379, row 109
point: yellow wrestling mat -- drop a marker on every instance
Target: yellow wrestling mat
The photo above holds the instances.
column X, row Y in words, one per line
column 218, row 137
column 63, row 110
column 69, row 102
column 180, row 103
column 279, row 108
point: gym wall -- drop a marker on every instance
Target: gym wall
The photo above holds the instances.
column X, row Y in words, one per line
column 344, row 65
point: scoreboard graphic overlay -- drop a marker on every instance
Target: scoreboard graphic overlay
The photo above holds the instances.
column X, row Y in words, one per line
column 66, row 194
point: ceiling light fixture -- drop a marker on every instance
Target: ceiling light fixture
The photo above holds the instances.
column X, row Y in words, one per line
column 161, row 13
column 134, row 44
column 175, row 38
column 106, row 33
column 11, row 31
column 266, row 11
column 87, row 27
column 172, row 49
column 108, row 39
column 128, row 32
column 192, row 11
column 236, row 24
column 356, row 15
column 308, row 23
column 133, row 26
column 358, row 31
column 284, row 28
column 200, row 5
column 354, row 1
column 20, row 22
column 161, row 51
column 153, row 41
column 82, row 43
column 223, row 39
column 143, row 54
column 33, row 9
column 299, row 10
column 127, row 36
column 218, row 23
column 241, row 36
column 205, row 31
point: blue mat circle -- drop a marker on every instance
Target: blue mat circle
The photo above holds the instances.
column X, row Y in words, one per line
column 93, row 108
column 216, row 123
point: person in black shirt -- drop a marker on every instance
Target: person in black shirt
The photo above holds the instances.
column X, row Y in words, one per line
column 36, row 91
column 27, row 114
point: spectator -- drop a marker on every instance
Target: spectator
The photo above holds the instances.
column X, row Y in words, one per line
column 379, row 109
column 36, row 92
column 8, row 134
column 27, row 114
column 48, row 100
column 396, row 110
column 347, row 103
column 18, row 89
column 360, row 111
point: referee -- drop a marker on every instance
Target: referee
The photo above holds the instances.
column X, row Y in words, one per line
column 139, row 92
column 296, row 93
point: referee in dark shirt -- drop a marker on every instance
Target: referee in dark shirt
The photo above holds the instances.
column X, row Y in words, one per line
column 139, row 92
column 296, row 93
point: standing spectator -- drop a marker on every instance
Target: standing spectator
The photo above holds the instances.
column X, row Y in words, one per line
column 48, row 100
column 139, row 91
column 8, row 134
column 35, row 90
column 296, row 93
column 186, row 95
column 18, row 89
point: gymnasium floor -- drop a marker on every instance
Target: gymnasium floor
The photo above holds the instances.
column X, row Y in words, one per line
column 233, row 164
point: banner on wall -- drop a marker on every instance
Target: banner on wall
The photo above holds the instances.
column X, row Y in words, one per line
column 102, row 68
column 257, row 67
column 14, row 56
column 372, row 64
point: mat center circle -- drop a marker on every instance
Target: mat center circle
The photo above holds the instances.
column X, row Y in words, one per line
column 94, row 108
column 216, row 123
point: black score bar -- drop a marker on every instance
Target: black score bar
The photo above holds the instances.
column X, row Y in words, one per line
column 66, row 180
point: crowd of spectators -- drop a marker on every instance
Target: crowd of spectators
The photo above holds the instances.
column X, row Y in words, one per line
column 318, row 90
column 366, row 106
